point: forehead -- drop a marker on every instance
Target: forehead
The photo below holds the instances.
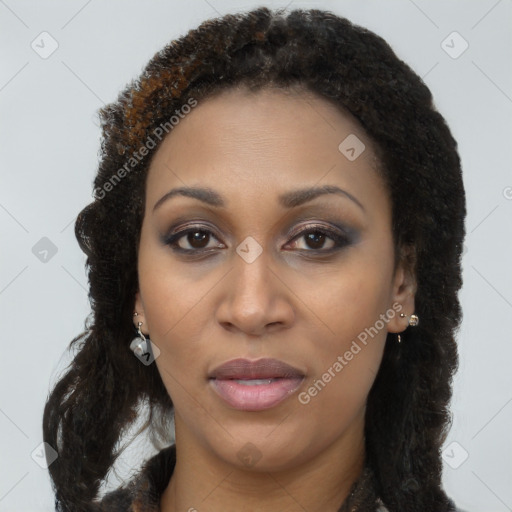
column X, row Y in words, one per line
column 261, row 142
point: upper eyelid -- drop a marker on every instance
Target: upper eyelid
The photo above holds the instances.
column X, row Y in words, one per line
column 316, row 225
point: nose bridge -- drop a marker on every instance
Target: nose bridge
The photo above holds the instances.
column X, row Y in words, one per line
column 253, row 256
column 253, row 300
column 252, row 273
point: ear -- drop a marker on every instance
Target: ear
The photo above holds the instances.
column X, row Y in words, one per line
column 140, row 317
column 404, row 291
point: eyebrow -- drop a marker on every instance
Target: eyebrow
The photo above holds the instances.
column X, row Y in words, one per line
column 289, row 199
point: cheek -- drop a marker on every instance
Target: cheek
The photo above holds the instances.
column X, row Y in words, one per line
column 172, row 305
column 347, row 362
column 170, row 291
column 347, row 356
column 351, row 299
column 177, row 319
column 353, row 310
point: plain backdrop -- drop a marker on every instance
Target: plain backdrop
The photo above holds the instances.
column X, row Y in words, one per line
column 49, row 143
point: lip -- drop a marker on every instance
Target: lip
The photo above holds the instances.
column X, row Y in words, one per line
column 279, row 381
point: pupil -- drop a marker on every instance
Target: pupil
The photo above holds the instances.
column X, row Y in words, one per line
column 315, row 240
column 197, row 239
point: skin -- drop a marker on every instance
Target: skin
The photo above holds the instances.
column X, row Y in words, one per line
column 288, row 303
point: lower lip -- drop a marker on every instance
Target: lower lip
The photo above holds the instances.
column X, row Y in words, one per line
column 256, row 397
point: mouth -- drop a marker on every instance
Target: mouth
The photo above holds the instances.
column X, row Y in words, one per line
column 255, row 385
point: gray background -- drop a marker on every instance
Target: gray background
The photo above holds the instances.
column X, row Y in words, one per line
column 49, row 143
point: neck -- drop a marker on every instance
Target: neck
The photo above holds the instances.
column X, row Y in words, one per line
column 203, row 481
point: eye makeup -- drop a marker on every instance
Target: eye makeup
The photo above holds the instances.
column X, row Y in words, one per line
column 199, row 239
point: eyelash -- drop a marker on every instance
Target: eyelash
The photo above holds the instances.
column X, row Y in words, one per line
column 340, row 240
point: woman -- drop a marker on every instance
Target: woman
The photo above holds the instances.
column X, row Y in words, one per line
column 279, row 218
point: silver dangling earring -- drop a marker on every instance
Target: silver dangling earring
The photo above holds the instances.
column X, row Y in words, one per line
column 139, row 344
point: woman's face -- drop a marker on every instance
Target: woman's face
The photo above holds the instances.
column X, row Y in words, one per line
column 255, row 260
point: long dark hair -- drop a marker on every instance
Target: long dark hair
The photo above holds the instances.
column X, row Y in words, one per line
column 407, row 416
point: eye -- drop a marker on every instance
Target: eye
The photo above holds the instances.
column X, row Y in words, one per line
column 199, row 240
column 319, row 239
column 193, row 239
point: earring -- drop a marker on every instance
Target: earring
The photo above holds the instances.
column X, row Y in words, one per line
column 139, row 345
column 413, row 322
column 413, row 319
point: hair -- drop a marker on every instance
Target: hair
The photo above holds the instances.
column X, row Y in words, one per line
column 407, row 415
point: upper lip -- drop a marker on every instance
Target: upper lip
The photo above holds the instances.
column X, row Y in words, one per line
column 260, row 369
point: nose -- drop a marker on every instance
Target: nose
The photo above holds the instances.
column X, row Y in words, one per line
column 255, row 300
